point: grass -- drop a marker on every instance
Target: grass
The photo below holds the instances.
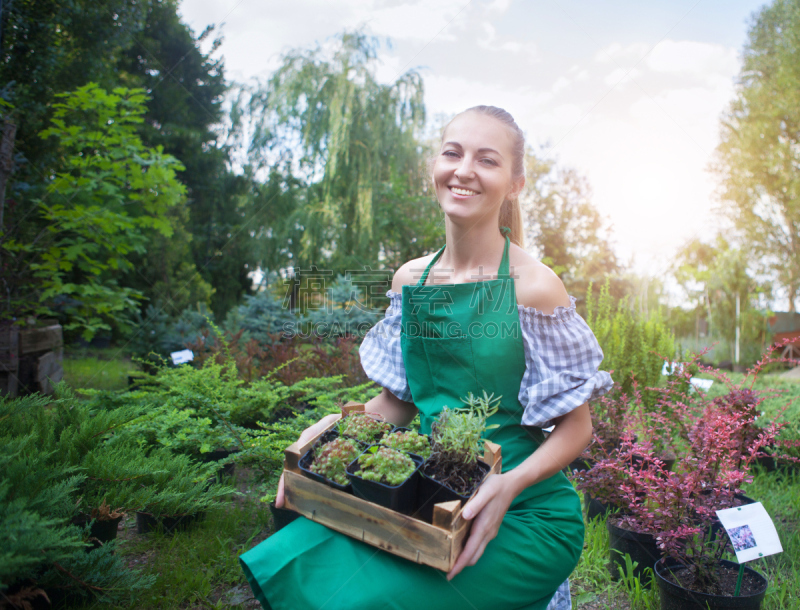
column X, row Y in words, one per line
column 102, row 369
column 199, row 567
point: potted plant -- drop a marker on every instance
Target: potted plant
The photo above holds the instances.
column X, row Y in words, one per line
column 363, row 426
column 103, row 522
column 387, row 477
column 183, row 493
column 453, row 470
column 328, row 459
column 678, row 508
column 410, row 441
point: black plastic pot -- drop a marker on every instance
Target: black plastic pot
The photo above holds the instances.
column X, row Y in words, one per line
column 101, row 531
column 642, row 549
column 579, row 464
column 147, row 522
column 281, row 517
column 400, row 498
column 596, row 508
column 433, row 492
column 675, row 597
column 217, row 455
column 308, row 457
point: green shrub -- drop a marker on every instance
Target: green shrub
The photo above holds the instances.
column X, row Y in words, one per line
column 634, row 348
column 42, row 478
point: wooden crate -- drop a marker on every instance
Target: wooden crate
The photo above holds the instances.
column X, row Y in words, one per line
column 437, row 544
column 40, row 339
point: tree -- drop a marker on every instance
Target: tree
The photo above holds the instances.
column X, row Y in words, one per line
column 211, row 247
column 714, row 275
column 323, row 121
column 569, row 234
column 758, row 158
column 100, row 208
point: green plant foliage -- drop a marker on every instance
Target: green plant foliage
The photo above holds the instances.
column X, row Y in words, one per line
column 332, row 459
column 325, row 110
column 159, row 333
column 343, row 312
column 260, row 316
column 385, row 465
column 110, row 194
column 364, row 427
column 43, row 478
column 759, row 149
column 409, row 441
column 457, row 435
column 634, row 348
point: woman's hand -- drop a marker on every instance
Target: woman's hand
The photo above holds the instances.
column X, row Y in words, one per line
column 487, row 507
column 307, row 434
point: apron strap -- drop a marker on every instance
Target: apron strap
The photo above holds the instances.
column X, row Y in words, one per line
column 428, row 268
column 502, row 272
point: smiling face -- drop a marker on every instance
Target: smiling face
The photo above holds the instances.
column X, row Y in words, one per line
column 473, row 174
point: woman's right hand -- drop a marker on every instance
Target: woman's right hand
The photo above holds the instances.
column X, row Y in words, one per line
column 307, row 435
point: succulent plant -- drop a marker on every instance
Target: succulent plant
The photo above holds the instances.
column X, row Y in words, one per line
column 332, row 459
column 385, row 465
column 409, row 441
column 364, row 427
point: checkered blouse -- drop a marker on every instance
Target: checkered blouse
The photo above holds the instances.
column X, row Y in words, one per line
column 561, row 360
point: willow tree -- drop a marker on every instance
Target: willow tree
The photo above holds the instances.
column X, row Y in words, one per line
column 355, row 144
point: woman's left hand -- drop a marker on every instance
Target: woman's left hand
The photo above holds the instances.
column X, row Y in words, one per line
column 488, row 507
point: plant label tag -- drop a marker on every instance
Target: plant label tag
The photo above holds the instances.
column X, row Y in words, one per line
column 182, row 356
column 751, row 531
column 701, row 384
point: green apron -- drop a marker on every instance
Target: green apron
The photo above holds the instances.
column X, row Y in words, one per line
column 456, row 338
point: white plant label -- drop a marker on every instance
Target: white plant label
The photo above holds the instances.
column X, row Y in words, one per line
column 701, row 384
column 182, row 356
column 751, row 531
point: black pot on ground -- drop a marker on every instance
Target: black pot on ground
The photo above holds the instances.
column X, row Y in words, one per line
column 579, row 464
column 597, row 508
column 432, row 492
column 676, row 597
column 400, row 498
column 147, row 522
column 281, row 517
column 217, row 455
column 642, row 548
column 101, row 531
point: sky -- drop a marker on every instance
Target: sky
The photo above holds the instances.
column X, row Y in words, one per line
column 630, row 94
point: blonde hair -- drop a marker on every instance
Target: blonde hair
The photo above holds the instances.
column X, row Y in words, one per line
column 510, row 211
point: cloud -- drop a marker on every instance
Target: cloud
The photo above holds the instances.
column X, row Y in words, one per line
column 620, row 77
column 420, row 21
column 528, row 50
column 695, row 58
column 617, row 53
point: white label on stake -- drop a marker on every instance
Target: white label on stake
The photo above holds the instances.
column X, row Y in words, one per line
column 701, row 384
column 751, row 531
column 182, row 356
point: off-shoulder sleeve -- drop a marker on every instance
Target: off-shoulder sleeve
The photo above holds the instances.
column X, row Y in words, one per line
column 562, row 357
column 381, row 354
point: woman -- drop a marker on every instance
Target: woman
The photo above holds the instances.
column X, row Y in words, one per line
column 467, row 325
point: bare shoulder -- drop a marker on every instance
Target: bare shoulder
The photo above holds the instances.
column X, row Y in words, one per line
column 410, row 272
column 536, row 284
